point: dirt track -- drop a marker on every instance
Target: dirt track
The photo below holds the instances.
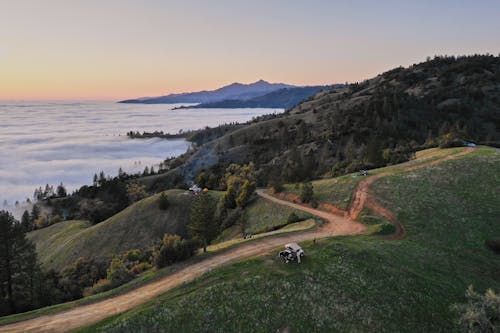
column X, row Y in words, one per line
column 336, row 225
column 88, row 314
column 364, row 198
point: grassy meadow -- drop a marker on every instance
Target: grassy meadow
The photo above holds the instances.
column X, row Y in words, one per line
column 356, row 283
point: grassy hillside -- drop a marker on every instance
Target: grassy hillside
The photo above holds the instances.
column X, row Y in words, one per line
column 262, row 216
column 338, row 191
column 137, row 226
column 357, row 283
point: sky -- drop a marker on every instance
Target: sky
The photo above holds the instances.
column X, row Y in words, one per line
column 114, row 49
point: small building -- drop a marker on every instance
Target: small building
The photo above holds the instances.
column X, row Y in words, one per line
column 195, row 189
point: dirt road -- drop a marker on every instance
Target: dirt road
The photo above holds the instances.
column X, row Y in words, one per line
column 336, row 225
column 363, row 197
column 88, row 314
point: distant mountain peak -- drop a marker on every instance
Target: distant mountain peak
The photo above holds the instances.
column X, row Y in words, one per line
column 234, row 90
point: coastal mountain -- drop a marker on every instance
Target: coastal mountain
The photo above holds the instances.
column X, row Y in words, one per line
column 234, row 91
column 282, row 98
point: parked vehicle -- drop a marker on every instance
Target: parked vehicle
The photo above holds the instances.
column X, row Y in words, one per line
column 292, row 252
column 363, row 172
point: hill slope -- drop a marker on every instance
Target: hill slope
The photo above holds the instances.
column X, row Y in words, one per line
column 361, row 284
column 138, row 226
column 379, row 121
column 232, row 91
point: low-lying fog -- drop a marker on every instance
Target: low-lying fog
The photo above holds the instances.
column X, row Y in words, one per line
column 52, row 142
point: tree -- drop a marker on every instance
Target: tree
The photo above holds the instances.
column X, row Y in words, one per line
column 481, row 313
column 26, row 222
column 136, row 192
column 77, row 276
column 203, row 226
column 18, row 266
column 102, row 178
column 241, row 183
column 35, row 213
column 61, row 190
column 121, row 173
column 245, row 194
column 163, row 202
column 306, row 193
column 117, row 273
column 172, row 249
column 201, row 180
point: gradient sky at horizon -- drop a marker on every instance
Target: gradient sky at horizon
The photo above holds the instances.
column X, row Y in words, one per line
column 94, row 49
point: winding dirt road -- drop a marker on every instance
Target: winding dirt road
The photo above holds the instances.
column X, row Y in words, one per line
column 337, row 224
column 88, row 314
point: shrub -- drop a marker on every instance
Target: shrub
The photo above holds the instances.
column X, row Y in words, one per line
column 386, row 228
column 139, row 268
column 481, row 313
column 172, row 249
column 314, row 204
column 493, row 244
column 118, row 273
column 292, row 218
column 306, row 193
column 100, row 286
column 163, row 202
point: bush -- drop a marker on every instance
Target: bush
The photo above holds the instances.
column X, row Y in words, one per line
column 99, row 287
column 314, row 204
column 118, row 273
column 163, row 202
column 292, row 218
column 139, row 268
column 386, row 228
column 493, row 244
column 173, row 249
column 306, row 193
column 481, row 313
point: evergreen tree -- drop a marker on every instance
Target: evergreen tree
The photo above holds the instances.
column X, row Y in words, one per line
column 26, row 222
column 18, row 267
column 35, row 213
column 306, row 193
column 203, row 226
column 102, row 178
column 61, row 190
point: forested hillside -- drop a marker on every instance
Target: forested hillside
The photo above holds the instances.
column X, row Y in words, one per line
column 441, row 102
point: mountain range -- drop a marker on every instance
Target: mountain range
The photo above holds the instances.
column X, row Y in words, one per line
column 260, row 94
column 234, row 91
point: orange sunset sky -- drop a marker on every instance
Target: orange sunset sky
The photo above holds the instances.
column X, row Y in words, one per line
column 91, row 49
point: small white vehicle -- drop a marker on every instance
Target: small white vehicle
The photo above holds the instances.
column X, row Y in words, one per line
column 292, row 252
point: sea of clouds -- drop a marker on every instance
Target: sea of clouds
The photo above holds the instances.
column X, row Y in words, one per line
column 52, row 142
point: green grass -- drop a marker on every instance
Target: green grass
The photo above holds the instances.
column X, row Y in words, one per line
column 339, row 191
column 356, row 284
column 262, row 216
column 137, row 226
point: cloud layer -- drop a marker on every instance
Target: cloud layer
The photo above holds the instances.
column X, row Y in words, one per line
column 68, row 142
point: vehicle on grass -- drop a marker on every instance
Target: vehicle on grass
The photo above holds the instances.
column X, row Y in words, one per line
column 292, row 252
